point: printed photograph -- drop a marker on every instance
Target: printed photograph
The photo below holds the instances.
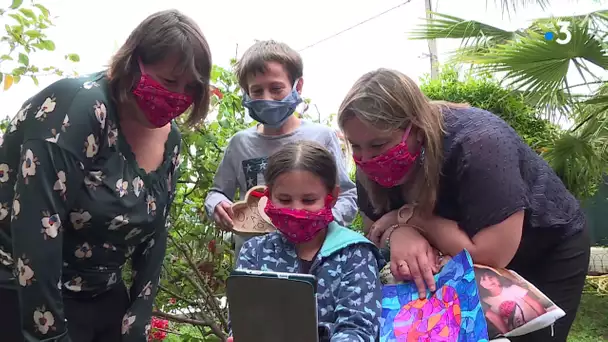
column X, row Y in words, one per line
column 508, row 300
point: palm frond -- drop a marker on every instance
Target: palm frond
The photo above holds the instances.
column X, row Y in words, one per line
column 578, row 163
column 476, row 36
column 540, row 67
column 529, row 62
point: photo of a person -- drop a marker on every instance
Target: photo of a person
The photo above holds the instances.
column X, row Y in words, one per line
column 509, row 304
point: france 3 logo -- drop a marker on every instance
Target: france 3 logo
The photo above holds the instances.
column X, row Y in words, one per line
column 563, row 36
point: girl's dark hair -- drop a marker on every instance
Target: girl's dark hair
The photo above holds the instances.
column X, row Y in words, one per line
column 486, row 272
column 305, row 156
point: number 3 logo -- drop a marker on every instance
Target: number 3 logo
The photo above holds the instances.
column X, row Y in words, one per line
column 564, row 30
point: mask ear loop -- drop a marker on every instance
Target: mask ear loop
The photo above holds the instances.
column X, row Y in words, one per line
column 407, row 132
column 141, row 66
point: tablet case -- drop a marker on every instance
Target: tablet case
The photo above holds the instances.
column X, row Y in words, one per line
column 272, row 307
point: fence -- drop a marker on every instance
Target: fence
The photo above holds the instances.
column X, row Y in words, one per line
column 596, row 209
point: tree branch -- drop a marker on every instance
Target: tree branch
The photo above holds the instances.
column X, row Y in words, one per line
column 173, row 294
column 202, row 284
column 178, row 319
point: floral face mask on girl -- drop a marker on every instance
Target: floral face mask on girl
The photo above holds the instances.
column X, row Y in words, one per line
column 389, row 168
column 158, row 104
column 299, row 225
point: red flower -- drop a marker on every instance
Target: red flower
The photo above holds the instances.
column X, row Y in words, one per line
column 172, row 301
column 206, row 268
column 212, row 246
column 158, row 329
column 215, row 91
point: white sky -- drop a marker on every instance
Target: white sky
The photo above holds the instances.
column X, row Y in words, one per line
column 94, row 30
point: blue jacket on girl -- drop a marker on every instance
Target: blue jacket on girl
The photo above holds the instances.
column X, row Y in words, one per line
column 347, row 267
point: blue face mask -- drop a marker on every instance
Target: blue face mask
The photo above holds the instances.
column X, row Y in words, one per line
column 273, row 113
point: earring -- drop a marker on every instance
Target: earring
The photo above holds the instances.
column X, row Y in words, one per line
column 421, row 155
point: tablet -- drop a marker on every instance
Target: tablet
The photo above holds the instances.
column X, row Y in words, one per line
column 272, row 306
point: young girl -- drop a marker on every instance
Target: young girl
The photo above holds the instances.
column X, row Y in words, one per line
column 301, row 179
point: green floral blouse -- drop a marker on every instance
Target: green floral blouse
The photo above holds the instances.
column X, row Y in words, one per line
column 80, row 207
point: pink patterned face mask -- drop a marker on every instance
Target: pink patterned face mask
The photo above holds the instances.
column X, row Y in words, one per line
column 389, row 168
column 158, row 104
column 299, row 225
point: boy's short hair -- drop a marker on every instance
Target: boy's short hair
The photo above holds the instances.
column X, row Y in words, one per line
column 255, row 58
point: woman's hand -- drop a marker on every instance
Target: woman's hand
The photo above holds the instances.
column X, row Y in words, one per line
column 381, row 226
column 412, row 257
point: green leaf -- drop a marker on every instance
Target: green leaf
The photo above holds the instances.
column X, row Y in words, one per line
column 6, row 58
column 48, row 45
column 33, row 33
column 19, row 71
column 16, row 4
column 35, row 79
column 28, row 13
column 19, row 18
column 224, row 123
column 72, row 57
column 24, row 59
column 215, row 73
column 43, row 9
column 17, row 29
column 1, row 77
column 598, row 99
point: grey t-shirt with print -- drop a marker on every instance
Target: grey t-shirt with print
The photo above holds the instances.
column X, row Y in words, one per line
column 245, row 159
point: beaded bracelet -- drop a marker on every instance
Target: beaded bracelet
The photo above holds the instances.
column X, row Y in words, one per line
column 394, row 227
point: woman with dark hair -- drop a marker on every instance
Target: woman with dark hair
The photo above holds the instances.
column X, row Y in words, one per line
column 89, row 171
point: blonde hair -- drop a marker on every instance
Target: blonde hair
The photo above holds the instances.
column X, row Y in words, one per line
column 387, row 100
column 255, row 58
column 154, row 39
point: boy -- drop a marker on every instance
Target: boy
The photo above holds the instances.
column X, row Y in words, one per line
column 270, row 73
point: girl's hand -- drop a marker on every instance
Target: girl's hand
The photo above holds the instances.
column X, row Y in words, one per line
column 412, row 257
column 378, row 228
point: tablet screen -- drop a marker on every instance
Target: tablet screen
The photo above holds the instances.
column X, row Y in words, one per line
column 266, row 308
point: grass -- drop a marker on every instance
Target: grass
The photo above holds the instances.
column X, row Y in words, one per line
column 591, row 324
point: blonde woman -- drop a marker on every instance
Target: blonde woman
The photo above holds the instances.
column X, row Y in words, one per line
column 475, row 184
